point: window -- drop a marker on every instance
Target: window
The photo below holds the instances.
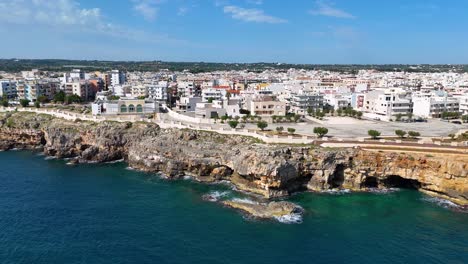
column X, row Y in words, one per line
column 123, row 109
column 131, row 108
column 139, row 109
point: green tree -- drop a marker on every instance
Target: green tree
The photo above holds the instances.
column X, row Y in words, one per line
column 310, row 111
column 279, row 129
column 42, row 99
column 297, row 118
column 210, row 100
column 400, row 133
column 37, row 104
column 4, row 102
column 320, row 131
column 373, row 133
column 291, row 130
column 414, row 134
column 465, row 119
column 398, row 117
column 262, row 125
column 70, row 99
column 24, row 102
column 339, row 112
column 113, row 97
column 233, row 123
column 359, row 115
column 59, row 97
column 452, row 136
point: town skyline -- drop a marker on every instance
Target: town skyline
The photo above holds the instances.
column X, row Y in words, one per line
column 237, row 31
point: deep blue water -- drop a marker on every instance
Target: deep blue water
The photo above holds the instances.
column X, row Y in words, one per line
column 54, row 213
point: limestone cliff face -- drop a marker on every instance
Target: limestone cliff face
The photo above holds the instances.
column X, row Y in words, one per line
column 268, row 170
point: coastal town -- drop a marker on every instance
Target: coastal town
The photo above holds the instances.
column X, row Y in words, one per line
column 359, row 105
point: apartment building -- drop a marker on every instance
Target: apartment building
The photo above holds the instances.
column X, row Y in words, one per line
column 266, row 106
column 158, row 91
column 80, row 88
column 300, row 104
column 388, row 103
column 433, row 105
column 8, row 89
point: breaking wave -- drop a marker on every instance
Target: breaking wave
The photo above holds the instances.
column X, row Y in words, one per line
column 215, row 196
column 295, row 218
column 445, row 204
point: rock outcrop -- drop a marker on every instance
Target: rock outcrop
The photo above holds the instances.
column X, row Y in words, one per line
column 277, row 210
column 269, row 170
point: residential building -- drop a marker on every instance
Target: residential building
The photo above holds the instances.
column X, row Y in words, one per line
column 266, row 106
column 434, row 105
column 8, row 89
column 301, row 103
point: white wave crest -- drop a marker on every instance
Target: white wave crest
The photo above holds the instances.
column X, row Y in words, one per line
column 337, row 191
column 383, row 190
column 295, row 218
column 115, row 161
column 215, row 196
column 244, row 200
column 443, row 203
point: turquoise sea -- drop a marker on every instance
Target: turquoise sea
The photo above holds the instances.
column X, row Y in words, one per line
column 51, row 212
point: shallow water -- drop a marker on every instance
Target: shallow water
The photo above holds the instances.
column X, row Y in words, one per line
column 51, row 212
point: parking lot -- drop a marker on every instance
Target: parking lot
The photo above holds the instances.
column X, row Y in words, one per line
column 352, row 128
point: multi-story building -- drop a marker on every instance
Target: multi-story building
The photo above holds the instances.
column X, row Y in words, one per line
column 434, row 105
column 266, row 106
column 80, row 88
column 211, row 94
column 115, row 77
column 387, row 103
column 464, row 105
column 139, row 91
column 158, row 91
column 300, row 104
column 8, row 89
column 186, row 89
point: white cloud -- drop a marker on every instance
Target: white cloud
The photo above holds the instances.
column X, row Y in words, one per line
column 326, row 9
column 68, row 16
column 54, row 13
column 255, row 2
column 182, row 11
column 252, row 15
column 147, row 8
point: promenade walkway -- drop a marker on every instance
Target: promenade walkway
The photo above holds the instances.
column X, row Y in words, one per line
column 168, row 121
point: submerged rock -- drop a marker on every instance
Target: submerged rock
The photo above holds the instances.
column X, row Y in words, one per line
column 272, row 210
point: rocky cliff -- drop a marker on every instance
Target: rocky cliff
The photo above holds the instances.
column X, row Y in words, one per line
column 269, row 170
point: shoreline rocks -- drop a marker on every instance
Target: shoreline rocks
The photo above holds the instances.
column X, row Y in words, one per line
column 269, row 170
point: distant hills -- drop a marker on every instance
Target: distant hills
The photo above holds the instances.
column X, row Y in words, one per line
column 15, row 65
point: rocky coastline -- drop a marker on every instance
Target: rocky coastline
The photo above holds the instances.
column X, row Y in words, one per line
column 272, row 171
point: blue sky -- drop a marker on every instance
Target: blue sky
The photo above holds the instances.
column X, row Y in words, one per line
column 294, row 31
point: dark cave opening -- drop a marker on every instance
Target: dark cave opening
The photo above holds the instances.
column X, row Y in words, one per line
column 337, row 179
column 370, row 182
column 395, row 181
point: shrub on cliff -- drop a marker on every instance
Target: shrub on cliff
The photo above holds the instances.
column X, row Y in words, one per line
column 373, row 133
column 320, row 131
column 291, row 130
column 262, row 125
column 24, row 102
column 233, row 123
column 414, row 134
column 400, row 133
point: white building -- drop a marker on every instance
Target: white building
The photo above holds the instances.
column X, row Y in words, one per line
column 434, row 105
column 213, row 94
column 115, row 77
column 188, row 104
column 157, row 91
column 387, row 103
column 464, row 104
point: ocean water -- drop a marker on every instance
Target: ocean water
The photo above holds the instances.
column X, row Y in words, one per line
column 51, row 212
